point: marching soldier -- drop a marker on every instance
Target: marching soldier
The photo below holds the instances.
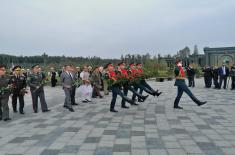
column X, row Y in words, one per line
column 144, row 86
column 182, row 87
column 36, row 82
column 4, row 94
column 116, row 88
column 19, row 82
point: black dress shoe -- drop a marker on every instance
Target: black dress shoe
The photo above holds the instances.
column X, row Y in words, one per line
column 145, row 97
column 158, row 94
column 7, row 119
column 101, row 96
column 201, row 103
column 74, row 104
column 15, row 111
column 71, row 110
column 113, row 110
column 178, row 107
column 126, row 107
column 35, row 111
column 140, row 100
column 0, row 119
column 22, row 112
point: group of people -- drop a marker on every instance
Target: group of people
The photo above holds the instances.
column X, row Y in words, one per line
column 219, row 75
column 118, row 79
column 16, row 84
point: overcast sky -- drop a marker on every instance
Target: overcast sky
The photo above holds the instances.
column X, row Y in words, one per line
column 109, row 28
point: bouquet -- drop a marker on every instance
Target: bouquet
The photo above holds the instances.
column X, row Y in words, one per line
column 23, row 91
column 6, row 90
column 78, row 83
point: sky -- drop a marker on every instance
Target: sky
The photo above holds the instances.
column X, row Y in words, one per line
column 110, row 28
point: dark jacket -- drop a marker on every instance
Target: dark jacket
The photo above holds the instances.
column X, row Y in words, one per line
column 220, row 71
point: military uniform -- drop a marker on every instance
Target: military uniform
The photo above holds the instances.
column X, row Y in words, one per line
column 182, row 87
column 116, row 90
column 35, row 82
column 4, row 97
column 96, row 82
column 19, row 82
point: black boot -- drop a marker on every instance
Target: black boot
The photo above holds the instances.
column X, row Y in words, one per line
column 157, row 93
column 199, row 103
column 128, row 100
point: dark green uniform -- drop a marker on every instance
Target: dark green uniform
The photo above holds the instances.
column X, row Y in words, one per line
column 35, row 82
column 19, row 82
column 4, row 97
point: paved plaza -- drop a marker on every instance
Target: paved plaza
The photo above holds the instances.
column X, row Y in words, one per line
column 152, row 128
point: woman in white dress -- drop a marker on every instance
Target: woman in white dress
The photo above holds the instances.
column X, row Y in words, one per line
column 85, row 89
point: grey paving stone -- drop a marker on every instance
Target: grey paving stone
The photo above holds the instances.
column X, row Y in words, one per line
column 104, row 151
column 153, row 127
column 121, row 148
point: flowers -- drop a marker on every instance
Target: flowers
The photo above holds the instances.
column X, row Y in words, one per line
column 6, row 90
column 78, row 83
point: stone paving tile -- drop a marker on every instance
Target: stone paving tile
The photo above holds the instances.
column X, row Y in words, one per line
column 152, row 128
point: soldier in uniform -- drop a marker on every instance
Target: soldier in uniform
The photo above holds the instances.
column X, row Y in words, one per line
column 127, row 86
column 36, row 82
column 182, row 87
column 4, row 94
column 144, row 86
column 19, row 82
column 96, row 82
column 116, row 88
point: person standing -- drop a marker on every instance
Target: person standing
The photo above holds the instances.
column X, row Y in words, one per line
column 207, row 76
column 53, row 77
column 4, row 94
column 67, row 84
column 223, row 75
column 232, row 73
column 96, row 82
column 74, row 76
column 19, row 90
column 182, row 87
column 36, row 83
column 85, row 89
column 191, row 75
column 215, row 77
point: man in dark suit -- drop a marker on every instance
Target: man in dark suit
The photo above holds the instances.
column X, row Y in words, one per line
column 67, row 84
column 223, row 75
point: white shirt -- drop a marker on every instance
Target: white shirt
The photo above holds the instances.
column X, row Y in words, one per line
column 224, row 71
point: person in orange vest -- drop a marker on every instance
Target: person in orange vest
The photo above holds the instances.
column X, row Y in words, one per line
column 180, row 77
